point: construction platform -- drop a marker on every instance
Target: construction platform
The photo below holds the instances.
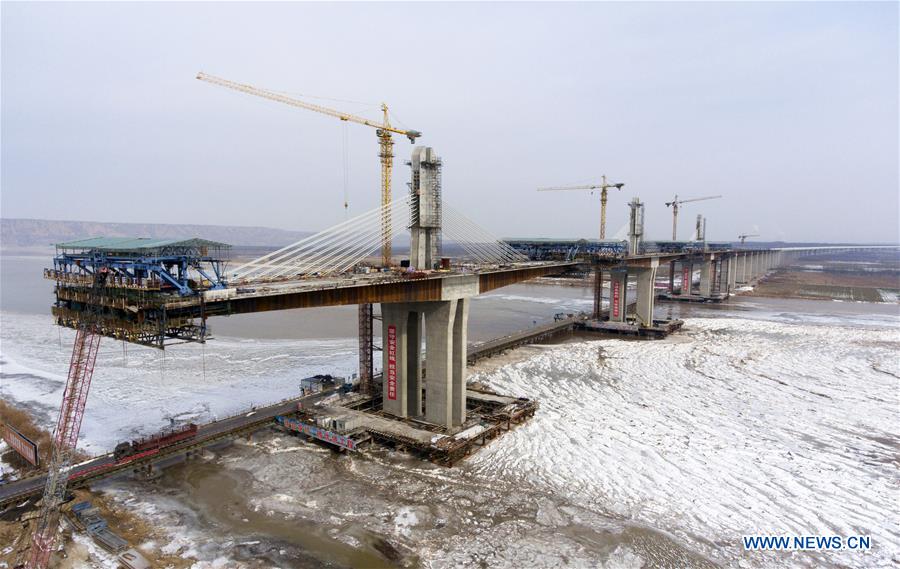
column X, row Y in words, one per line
column 154, row 292
column 660, row 328
column 353, row 421
column 124, row 286
column 668, row 297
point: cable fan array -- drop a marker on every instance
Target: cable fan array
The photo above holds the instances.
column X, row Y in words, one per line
column 481, row 246
column 332, row 251
column 339, row 248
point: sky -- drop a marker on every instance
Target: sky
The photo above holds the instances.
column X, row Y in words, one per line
column 788, row 110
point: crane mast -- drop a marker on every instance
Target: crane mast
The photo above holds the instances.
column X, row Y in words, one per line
column 383, row 131
column 386, row 154
column 603, row 187
column 65, row 435
column 674, row 205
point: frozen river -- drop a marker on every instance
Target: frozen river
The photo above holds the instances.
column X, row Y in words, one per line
column 761, row 417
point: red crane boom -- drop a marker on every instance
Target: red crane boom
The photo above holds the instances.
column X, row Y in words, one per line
column 65, row 437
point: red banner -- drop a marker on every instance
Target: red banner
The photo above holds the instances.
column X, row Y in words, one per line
column 392, row 362
column 686, row 281
column 21, row 444
column 615, row 298
column 321, row 434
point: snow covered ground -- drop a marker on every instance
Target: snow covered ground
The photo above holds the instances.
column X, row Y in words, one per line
column 735, row 427
column 665, row 453
column 139, row 389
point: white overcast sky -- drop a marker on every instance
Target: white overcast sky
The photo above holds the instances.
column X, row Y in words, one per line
column 790, row 110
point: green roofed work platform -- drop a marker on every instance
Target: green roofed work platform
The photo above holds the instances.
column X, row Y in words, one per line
column 136, row 246
column 111, row 280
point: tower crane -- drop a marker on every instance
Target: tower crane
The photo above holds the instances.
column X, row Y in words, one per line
column 65, row 435
column 745, row 236
column 383, row 131
column 603, row 187
column 677, row 202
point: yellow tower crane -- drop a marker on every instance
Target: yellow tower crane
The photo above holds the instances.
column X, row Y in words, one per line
column 602, row 187
column 743, row 237
column 383, row 131
column 677, row 202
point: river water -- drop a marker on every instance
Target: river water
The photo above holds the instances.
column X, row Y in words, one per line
column 764, row 416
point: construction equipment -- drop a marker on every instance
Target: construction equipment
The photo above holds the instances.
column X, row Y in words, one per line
column 700, row 231
column 677, row 202
column 65, row 436
column 383, row 131
column 745, row 236
column 602, row 187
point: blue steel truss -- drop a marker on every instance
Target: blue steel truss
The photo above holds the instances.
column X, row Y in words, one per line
column 186, row 267
column 572, row 249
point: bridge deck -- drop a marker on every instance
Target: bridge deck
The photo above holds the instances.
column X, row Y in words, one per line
column 370, row 288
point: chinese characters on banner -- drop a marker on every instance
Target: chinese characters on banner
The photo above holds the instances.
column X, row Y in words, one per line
column 319, row 433
column 21, row 444
column 615, row 298
column 392, row 362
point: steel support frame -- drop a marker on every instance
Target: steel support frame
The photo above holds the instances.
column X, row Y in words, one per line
column 366, row 371
column 598, row 291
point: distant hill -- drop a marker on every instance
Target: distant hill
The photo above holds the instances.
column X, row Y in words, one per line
column 44, row 232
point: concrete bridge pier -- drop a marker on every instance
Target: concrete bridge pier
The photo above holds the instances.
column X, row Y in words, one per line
column 645, row 279
column 671, row 277
column 646, row 293
column 687, row 276
column 732, row 274
column 618, row 288
column 444, row 324
column 721, row 284
column 707, row 276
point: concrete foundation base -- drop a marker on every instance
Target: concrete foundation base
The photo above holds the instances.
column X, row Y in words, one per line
column 666, row 297
column 659, row 329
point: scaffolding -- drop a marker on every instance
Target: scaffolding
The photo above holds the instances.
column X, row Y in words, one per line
column 365, row 348
column 125, row 285
column 426, row 216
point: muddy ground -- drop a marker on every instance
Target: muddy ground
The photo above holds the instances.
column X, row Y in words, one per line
column 15, row 535
column 860, row 277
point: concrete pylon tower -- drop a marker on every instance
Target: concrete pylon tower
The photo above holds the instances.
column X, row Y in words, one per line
column 635, row 226
column 425, row 189
column 700, row 231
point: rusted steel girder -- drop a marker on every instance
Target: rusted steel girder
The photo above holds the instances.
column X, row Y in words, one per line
column 490, row 281
column 409, row 291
